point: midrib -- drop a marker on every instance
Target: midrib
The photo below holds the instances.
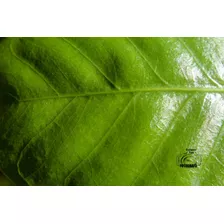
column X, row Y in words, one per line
column 146, row 90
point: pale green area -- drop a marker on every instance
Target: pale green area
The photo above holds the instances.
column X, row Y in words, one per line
column 111, row 111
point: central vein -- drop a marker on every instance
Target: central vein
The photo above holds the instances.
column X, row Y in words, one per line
column 156, row 89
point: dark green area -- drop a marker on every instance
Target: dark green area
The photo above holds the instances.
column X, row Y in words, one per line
column 4, row 181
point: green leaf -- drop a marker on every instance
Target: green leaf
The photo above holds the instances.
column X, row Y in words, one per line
column 112, row 111
column 4, row 181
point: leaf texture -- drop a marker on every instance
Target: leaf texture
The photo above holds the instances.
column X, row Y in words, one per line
column 111, row 111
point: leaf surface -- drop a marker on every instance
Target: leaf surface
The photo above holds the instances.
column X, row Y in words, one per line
column 111, row 111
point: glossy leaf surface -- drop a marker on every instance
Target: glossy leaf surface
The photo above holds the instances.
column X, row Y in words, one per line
column 111, row 111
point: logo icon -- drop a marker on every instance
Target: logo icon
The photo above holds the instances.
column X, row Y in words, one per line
column 189, row 159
